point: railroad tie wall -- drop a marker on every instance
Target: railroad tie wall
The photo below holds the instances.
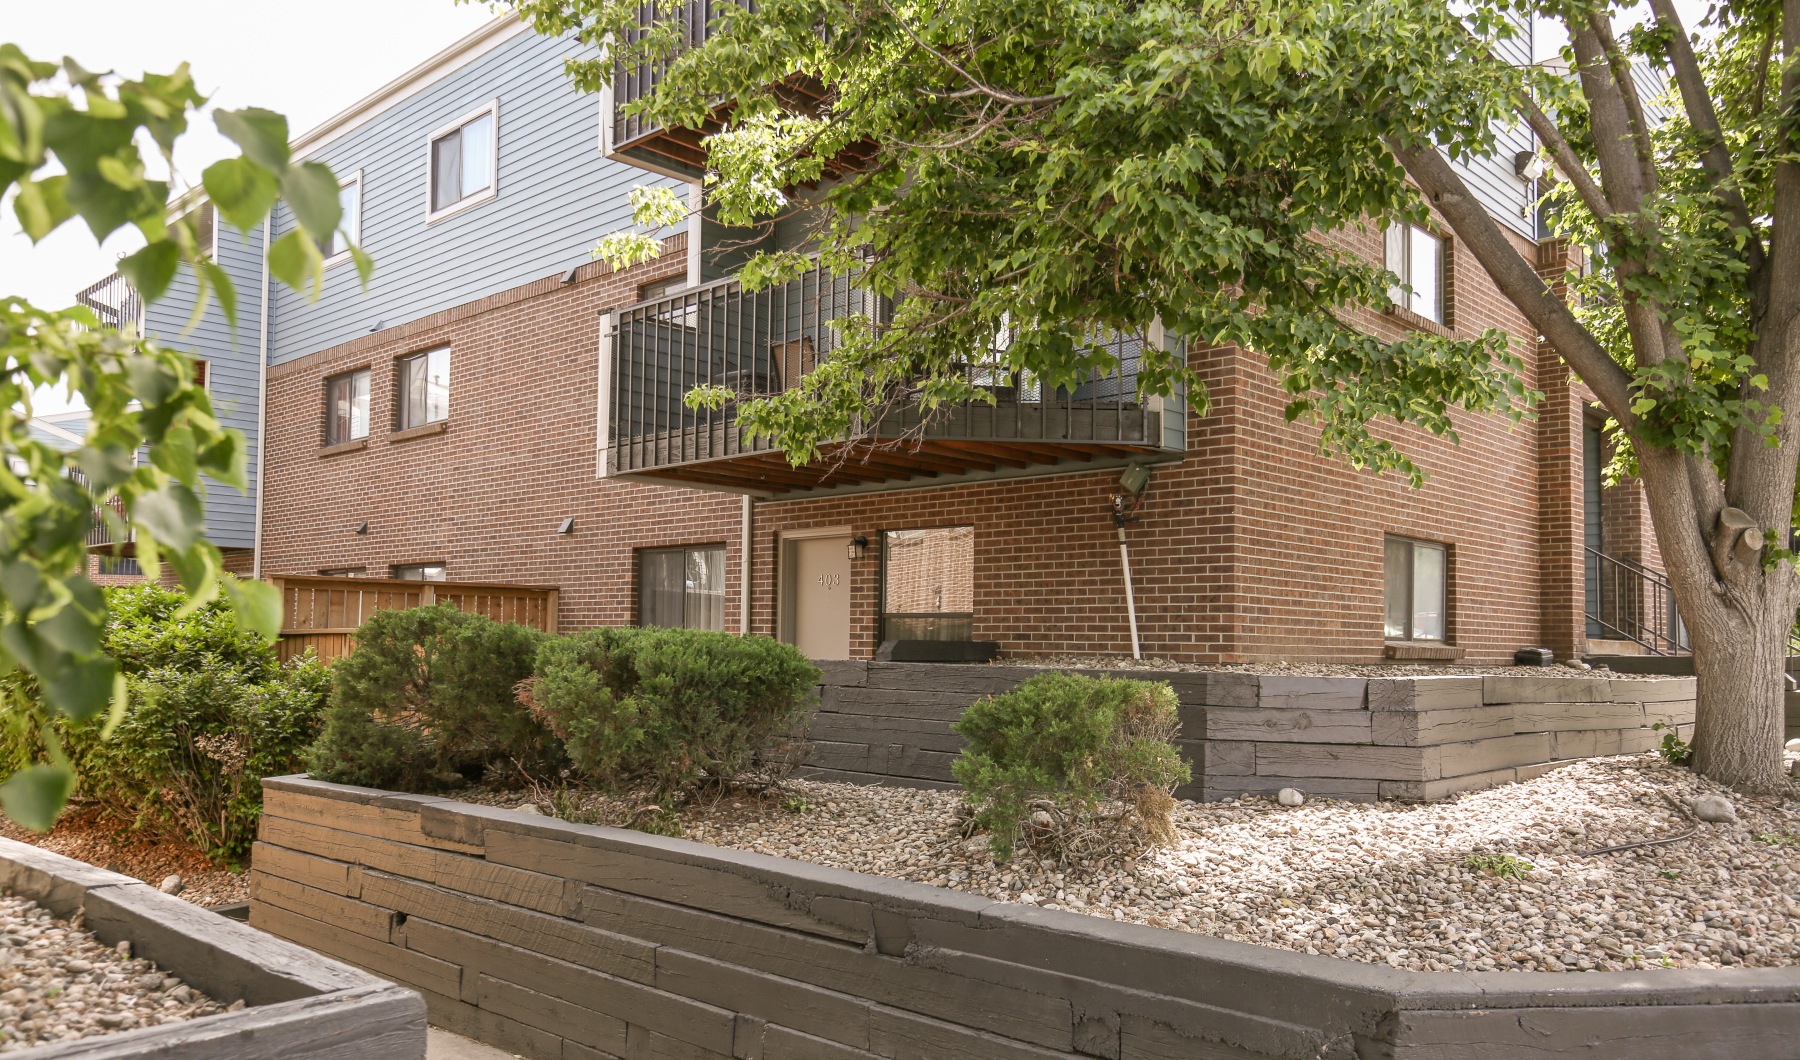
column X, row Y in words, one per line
column 1416, row 738
column 561, row 941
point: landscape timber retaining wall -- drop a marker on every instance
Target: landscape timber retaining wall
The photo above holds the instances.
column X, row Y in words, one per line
column 561, row 941
column 1358, row 738
column 299, row 1005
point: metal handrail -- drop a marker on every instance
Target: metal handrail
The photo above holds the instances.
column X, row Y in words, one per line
column 1634, row 602
column 640, row 81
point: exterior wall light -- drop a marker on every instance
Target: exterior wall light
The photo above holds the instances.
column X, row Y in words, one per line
column 858, row 548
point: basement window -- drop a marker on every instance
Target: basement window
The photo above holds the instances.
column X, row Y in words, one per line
column 1417, row 580
column 420, row 572
column 681, row 588
column 928, row 584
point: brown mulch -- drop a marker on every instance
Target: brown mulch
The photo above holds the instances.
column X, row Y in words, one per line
column 81, row 836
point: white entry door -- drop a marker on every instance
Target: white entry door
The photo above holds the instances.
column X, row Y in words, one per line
column 818, row 596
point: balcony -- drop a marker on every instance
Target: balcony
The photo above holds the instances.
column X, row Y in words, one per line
column 758, row 344
column 115, row 302
column 682, row 152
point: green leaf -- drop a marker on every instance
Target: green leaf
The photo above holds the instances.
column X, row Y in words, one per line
column 262, row 134
column 365, row 265
column 294, row 259
column 242, row 191
column 175, row 454
column 41, row 205
column 257, row 606
column 80, row 688
column 121, row 698
column 171, row 514
column 312, row 192
column 151, row 269
column 35, row 796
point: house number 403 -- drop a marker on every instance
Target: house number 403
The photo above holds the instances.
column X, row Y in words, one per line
column 829, row 581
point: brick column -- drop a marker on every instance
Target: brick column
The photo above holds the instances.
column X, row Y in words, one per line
column 1563, row 569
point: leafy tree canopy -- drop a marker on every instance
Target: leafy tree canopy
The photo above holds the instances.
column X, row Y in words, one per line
column 1030, row 174
column 73, row 145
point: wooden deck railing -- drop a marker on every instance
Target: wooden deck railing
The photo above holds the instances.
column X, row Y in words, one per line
column 324, row 613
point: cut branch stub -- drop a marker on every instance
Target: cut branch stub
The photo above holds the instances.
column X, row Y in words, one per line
column 1738, row 532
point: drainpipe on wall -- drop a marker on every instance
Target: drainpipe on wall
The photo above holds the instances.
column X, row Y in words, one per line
column 1125, row 506
column 262, row 405
column 744, row 568
column 1130, row 597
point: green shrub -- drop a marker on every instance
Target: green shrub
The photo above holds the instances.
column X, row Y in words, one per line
column 673, row 709
column 211, row 713
column 426, row 701
column 1078, row 765
column 187, row 761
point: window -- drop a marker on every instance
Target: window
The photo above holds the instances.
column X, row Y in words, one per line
column 1416, row 256
column 344, row 572
column 1417, row 589
column 202, row 374
column 347, row 407
column 928, row 584
column 419, row 572
column 650, row 292
column 120, row 566
column 462, row 162
column 424, row 388
column 336, row 246
column 682, row 587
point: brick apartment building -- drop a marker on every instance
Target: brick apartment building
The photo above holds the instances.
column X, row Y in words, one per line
column 495, row 406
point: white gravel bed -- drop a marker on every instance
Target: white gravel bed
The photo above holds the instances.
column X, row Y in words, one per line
column 58, row 983
column 1424, row 887
column 1281, row 669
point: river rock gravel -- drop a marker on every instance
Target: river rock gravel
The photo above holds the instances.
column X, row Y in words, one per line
column 58, row 983
column 1490, row 880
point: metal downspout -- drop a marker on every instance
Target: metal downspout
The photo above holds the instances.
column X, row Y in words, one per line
column 262, row 404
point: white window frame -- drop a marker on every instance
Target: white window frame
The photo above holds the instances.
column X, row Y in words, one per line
column 1402, row 295
column 493, row 189
column 212, row 252
column 352, row 233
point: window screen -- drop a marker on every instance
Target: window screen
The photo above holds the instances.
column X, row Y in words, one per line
column 1417, row 588
column 1416, row 256
column 928, row 584
column 462, row 163
column 347, row 407
column 425, row 388
column 682, row 588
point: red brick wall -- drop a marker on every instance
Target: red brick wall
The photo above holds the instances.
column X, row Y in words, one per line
column 486, row 495
column 1254, row 547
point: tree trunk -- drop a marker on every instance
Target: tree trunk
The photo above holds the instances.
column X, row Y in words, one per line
column 1740, row 661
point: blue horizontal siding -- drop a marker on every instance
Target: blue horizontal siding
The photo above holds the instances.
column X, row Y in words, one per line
column 557, row 194
column 233, row 371
column 1491, row 178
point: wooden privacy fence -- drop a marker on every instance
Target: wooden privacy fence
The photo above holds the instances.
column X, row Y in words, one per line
column 324, row 613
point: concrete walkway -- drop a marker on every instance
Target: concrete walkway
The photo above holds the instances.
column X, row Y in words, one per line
column 442, row 1045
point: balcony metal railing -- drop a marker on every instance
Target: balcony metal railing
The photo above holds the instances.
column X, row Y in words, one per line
column 115, row 302
column 1628, row 601
column 635, row 83
column 99, row 536
column 762, row 343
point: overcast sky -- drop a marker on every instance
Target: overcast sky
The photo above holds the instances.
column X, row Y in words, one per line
column 307, row 60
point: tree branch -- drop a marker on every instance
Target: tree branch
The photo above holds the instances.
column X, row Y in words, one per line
column 1638, row 125
column 1697, row 100
column 1567, row 162
column 1517, row 279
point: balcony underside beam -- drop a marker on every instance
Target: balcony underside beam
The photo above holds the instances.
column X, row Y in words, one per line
column 875, row 465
